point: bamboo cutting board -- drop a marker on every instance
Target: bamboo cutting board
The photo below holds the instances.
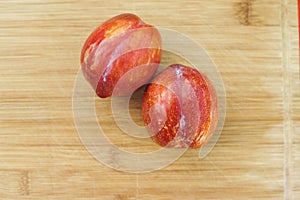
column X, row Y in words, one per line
column 254, row 43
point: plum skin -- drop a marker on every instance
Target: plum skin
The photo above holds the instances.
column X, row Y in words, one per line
column 124, row 49
column 180, row 108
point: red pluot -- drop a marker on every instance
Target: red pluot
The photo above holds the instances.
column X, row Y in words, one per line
column 180, row 108
column 124, row 52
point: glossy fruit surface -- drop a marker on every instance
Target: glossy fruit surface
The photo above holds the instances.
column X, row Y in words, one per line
column 123, row 51
column 180, row 108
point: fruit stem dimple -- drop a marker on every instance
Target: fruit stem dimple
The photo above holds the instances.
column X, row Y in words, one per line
column 182, row 121
column 178, row 72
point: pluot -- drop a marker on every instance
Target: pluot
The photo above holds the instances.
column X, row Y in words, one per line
column 180, row 108
column 120, row 55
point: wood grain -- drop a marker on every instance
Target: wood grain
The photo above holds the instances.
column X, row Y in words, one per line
column 254, row 43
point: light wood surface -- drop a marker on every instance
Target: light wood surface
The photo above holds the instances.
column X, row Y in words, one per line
column 254, row 43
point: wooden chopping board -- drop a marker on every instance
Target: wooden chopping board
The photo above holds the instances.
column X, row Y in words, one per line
column 254, row 43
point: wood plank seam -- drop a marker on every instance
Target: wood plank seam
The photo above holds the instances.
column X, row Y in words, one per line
column 286, row 99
